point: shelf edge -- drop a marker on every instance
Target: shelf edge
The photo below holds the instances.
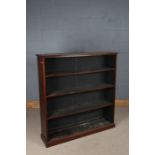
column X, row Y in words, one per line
column 79, row 73
column 52, row 95
column 82, row 111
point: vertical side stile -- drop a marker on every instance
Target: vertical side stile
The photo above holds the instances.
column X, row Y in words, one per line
column 115, row 85
column 42, row 95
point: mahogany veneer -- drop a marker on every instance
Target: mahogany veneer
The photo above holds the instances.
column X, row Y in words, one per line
column 77, row 94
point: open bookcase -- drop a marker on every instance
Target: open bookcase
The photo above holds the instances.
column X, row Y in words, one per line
column 77, row 94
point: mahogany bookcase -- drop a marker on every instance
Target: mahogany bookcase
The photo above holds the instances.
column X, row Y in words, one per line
column 77, row 94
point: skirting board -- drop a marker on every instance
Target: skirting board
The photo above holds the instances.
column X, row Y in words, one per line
column 35, row 104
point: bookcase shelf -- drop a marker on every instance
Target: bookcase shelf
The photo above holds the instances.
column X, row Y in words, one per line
column 77, row 94
column 80, row 90
column 79, row 73
column 75, row 109
column 78, row 128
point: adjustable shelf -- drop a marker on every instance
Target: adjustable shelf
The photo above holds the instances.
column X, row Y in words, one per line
column 77, row 94
column 75, row 109
column 79, row 90
column 79, row 73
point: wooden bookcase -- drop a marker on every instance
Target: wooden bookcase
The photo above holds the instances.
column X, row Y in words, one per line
column 77, row 94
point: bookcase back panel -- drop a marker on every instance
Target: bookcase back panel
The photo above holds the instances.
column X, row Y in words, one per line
column 56, row 84
column 73, row 103
column 78, row 64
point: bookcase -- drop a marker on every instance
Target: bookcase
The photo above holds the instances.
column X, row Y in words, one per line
column 77, row 94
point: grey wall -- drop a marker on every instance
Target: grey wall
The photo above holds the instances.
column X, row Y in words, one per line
column 77, row 25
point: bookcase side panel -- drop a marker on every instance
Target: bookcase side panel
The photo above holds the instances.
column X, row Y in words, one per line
column 115, row 63
column 42, row 96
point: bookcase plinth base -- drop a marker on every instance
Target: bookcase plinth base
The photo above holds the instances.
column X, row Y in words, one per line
column 75, row 136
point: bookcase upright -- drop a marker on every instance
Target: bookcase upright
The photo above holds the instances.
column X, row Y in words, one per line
column 77, row 94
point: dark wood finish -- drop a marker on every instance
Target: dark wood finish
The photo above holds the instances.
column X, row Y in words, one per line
column 105, row 86
column 75, row 136
column 80, row 73
column 83, row 123
column 76, row 54
column 42, row 94
column 74, row 110
column 66, row 119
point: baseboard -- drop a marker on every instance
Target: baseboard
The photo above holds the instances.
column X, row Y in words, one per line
column 33, row 104
column 119, row 102
column 122, row 102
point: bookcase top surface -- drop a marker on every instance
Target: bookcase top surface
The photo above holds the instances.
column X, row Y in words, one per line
column 76, row 54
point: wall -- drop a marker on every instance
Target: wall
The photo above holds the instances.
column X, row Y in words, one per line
column 77, row 25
